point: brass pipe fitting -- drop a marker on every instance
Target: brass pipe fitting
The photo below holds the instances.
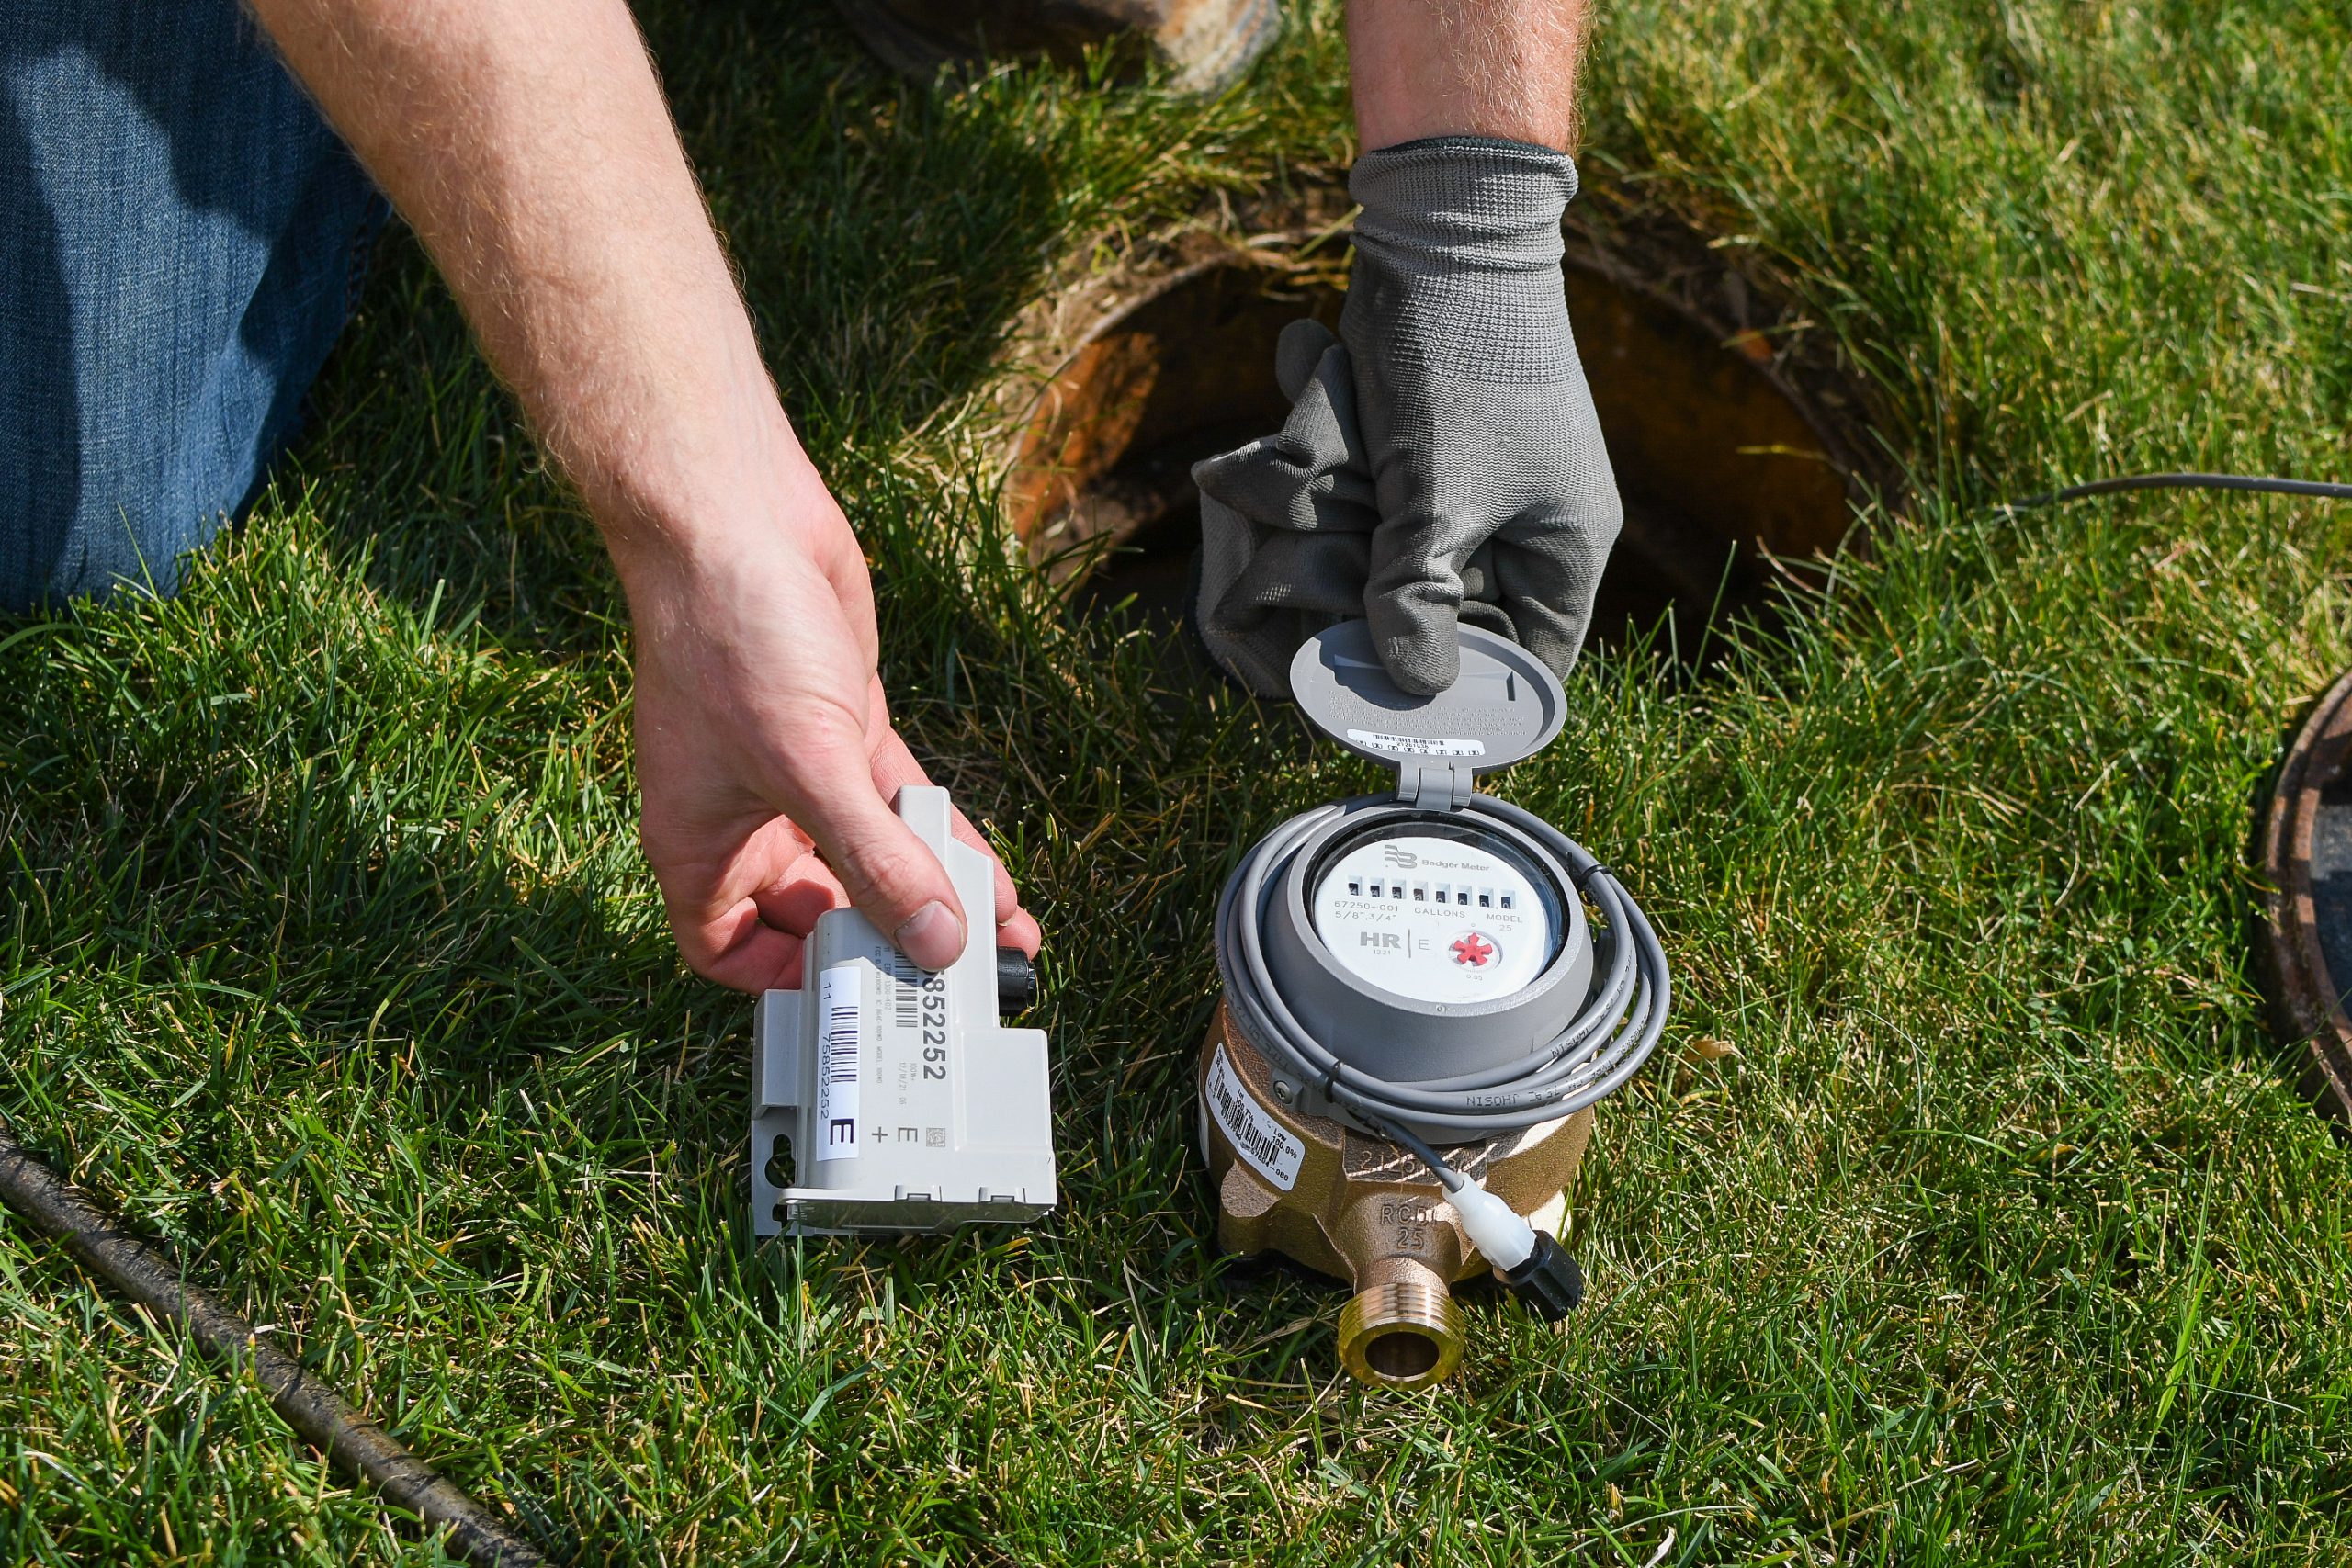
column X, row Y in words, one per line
column 1404, row 1330
column 1361, row 1208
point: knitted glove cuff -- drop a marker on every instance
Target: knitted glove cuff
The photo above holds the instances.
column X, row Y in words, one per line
column 1457, row 203
column 1458, row 259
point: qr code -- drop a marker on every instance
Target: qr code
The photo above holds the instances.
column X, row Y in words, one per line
column 936, row 1137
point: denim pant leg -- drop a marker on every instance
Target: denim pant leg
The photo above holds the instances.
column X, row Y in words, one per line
column 181, row 235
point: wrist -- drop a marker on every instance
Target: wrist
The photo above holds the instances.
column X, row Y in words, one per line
column 1465, row 191
column 1457, row 261
column 1504, row 68
column 683, row 457
column 690, row 538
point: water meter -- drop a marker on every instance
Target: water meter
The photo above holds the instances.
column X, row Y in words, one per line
column 1426, row 990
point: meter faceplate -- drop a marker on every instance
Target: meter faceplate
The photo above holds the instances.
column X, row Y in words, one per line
column 1431, row 988
column 1388, row 1017
column 1439, row 918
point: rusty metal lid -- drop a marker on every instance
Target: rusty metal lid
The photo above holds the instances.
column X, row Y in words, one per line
column 2305, row 939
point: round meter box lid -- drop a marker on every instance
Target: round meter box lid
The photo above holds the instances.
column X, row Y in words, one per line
column 1505, row 706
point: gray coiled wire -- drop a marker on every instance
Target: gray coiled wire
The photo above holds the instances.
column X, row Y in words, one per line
column 1591, row 1059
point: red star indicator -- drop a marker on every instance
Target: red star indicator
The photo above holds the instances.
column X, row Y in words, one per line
column 1473, row 950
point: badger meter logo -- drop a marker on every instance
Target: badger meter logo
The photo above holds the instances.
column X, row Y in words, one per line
column 1401, row 859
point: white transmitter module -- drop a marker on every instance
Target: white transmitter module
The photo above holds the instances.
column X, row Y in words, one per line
column 909, row 1105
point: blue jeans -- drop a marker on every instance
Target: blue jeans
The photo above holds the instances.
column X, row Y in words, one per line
column 181, row 236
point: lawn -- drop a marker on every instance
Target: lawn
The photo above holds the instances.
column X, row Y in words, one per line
column 2002, row 1236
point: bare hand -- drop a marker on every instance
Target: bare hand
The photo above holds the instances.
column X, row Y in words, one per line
column 550, row 185
column 767, row 760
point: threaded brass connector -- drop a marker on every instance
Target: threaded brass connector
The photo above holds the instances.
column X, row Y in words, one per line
column 1404, row 1332
column 1366, row 1211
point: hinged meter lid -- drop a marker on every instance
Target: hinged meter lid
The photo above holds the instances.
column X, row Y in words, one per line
column 1505, row 706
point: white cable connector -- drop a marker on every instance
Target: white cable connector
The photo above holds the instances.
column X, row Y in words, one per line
column 1501, row 1236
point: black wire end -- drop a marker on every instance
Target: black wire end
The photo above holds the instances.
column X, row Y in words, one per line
column 2326, row 490
column 1547, row 1279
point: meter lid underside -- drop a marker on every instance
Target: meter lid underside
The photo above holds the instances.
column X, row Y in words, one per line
column 1504, row 706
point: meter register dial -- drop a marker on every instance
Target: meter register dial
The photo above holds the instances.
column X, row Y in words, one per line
column 1434, row 919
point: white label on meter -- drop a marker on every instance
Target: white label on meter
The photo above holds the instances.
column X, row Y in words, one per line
column 1265, row 1144
column 1418, row 745
column 840, row 1045
column 1435, row 919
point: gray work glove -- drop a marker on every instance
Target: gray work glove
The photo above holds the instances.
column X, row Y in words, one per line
column 1442, row 458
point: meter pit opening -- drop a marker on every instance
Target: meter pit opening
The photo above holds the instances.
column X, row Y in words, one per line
column 1738, row 448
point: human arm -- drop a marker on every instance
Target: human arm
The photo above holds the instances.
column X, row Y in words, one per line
column 549, row 186
column 1443, row 459
column 1500, row 68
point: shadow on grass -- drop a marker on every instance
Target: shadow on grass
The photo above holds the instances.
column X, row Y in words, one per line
column 314, row 855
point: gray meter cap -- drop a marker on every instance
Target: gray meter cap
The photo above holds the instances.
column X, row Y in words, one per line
column 1504, row 706
column 1414, row 938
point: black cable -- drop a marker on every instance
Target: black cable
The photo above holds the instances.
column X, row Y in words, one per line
column 2321, row 488
column 56, row 1206
column 1414, row 1143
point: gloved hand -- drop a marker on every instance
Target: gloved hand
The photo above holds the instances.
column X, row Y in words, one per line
column 1442, row 457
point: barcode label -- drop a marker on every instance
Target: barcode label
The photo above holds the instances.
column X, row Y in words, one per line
column 841, row 1023
column 1267, row 1146
column 902, row 1002
column 1418, row 745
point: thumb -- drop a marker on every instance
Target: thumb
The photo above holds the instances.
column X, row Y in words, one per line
column 1414, row 602
column 889, row 875
column 1297, row 353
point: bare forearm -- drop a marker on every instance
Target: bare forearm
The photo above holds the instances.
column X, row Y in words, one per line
column 1501, row 68
column 528, row 145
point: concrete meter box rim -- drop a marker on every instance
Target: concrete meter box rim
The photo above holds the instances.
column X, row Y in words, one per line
column 1504, row 706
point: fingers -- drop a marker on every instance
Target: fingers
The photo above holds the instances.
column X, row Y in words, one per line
column 1310, row 476
column 1415, row 609
column 894, row 768
column 740, row 952
column 1297, row 352
column 806, row 891
column 1413, row 593
column 739, row 920
column 892, row 878
column 1547, row 591
column 888, row 874
column 1286, row 519
column 1021, row 931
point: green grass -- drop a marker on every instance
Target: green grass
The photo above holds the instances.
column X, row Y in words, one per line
column 2002, row 1239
